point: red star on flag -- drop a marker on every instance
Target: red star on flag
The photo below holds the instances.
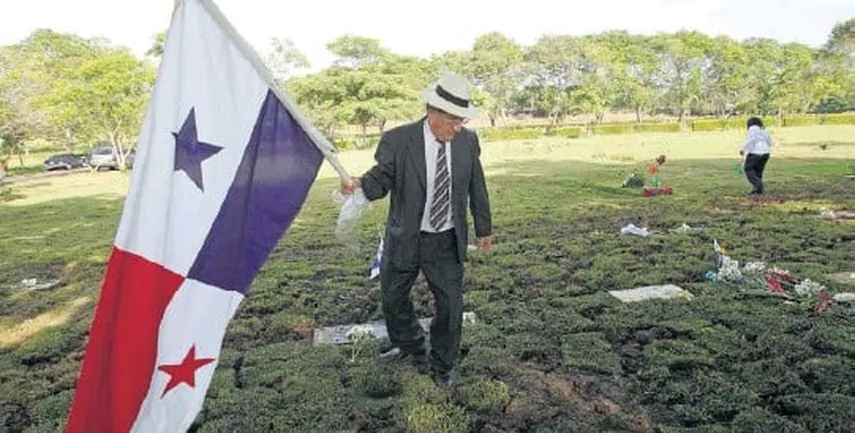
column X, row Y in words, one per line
column 184, row 372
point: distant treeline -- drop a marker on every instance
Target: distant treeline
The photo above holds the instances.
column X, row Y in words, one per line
column 69, row 91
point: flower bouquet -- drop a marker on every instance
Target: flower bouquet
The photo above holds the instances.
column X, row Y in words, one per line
column 757, row 276
column 656, row 188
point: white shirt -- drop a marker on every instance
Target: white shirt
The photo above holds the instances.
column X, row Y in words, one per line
column 759, row 141
column 431, row 150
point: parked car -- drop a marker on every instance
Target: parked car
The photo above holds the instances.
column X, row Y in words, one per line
column 104, row 157
column 64, row 161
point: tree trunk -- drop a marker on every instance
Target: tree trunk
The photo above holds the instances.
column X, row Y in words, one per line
column 69, row 140
column 117, row 147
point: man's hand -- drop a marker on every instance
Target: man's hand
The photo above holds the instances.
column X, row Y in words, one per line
column 484, row 243
column 347, row 188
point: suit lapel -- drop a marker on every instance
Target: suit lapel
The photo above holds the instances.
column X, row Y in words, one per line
column 417, row 151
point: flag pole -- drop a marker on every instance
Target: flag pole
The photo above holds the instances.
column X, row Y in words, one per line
column 314, row 134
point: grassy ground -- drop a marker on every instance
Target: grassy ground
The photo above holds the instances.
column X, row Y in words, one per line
column 551, row 352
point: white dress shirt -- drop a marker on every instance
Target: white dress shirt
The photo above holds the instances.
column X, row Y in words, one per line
column 759, row 142
column 431, row 150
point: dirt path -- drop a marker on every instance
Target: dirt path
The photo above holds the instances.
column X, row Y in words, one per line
column 21, row 179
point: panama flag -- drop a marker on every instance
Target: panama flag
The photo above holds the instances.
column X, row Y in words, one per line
column 223, row 167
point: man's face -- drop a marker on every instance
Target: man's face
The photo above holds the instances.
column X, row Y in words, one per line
column 443, row 125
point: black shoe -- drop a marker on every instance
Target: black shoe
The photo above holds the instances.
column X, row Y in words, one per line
column 398, row 355
column 445, row 379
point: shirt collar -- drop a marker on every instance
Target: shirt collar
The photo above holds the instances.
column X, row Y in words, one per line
column 429, row 137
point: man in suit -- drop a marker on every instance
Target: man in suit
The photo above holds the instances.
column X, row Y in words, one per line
column 431, row 169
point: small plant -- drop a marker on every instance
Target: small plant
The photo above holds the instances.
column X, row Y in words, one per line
column 486, row 395
column 634, row 180
column 7, row 194
column 358, row 335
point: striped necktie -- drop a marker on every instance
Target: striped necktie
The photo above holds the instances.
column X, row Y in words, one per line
column 441, row 194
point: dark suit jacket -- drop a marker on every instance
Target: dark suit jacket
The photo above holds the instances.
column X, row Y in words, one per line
column 400, row 172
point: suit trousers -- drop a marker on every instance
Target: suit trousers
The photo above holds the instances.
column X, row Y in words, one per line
column 754, row 167
column 437, row 259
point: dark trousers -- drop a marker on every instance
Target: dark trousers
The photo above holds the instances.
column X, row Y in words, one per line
column 754, row 166
column 438, row 261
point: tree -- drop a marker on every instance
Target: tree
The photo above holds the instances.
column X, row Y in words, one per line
column 597, row 62
column 31, row 70
column 356, row 51
column 842, row 40
column 366, row 86
column 495, row 64
column 840, row 49
column 283, row 58
column 792, row 90
column 157, row 45
column 683, row 58
column 726, row 81
column 18, row 118
column 553, row 72
column 635, row 75
column 109, row 92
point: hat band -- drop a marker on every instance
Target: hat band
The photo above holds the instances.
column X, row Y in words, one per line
column 460, row 102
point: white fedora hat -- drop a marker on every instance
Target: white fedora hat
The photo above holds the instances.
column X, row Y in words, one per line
column 451, row 94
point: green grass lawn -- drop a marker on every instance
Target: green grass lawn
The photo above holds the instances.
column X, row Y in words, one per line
column 552, row 351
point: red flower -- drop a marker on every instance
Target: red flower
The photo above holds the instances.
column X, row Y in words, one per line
column 825, row 301
column 774, row 284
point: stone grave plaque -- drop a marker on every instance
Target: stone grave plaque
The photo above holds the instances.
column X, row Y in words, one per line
column 338, row 334
column 665, row 291
column 844, row 278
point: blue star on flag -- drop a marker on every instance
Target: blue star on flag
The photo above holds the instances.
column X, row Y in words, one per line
column 190, row 152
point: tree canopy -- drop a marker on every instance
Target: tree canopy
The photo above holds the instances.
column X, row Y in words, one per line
column 74, row 91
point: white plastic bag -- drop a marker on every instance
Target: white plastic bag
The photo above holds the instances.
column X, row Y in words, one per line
column 633, row 230
column 352, row 207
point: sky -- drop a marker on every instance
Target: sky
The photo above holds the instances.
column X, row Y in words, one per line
column 430, row 27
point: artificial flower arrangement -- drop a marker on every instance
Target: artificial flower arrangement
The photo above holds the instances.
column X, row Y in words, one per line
column 636, row 180
column 657, row 188
column 775, row 280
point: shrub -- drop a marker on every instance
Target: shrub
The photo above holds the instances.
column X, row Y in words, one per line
column 502, row 134
column 568, row 132
column 591, row 352
column 801, row 120
column 628, row 128
column 426, row 408
column 6, row 194
column 839, row 119
column 611, row 129
column 485, row 395
column 725, row 124
column 348, row 142
column 657, row 127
